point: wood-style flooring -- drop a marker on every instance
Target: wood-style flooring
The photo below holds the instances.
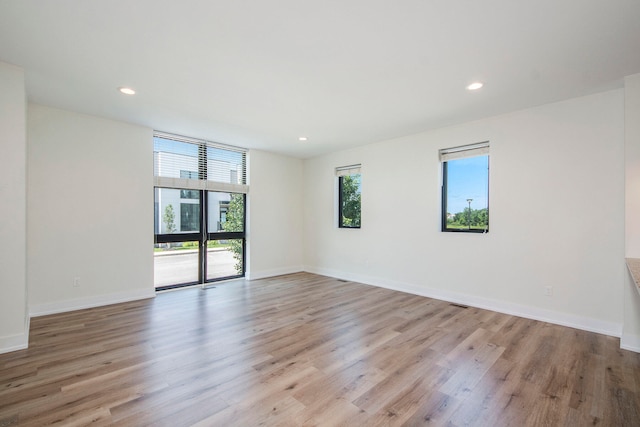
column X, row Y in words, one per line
column 304, row 349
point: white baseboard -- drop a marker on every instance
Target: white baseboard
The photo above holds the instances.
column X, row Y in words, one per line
column 263, row 274
column 630, row 342
column 528, row 312
column 17, row 341
column 89, row 302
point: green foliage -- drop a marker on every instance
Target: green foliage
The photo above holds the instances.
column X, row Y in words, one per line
column 235, row 222
column 477, row 218
column 351, row 200
column 216, row 244
column 169, row 218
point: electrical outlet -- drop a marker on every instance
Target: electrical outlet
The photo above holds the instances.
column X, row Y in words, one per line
column 76, row 282
column 548, row 290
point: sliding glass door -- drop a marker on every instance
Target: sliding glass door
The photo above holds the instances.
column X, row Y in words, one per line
column 199, row 239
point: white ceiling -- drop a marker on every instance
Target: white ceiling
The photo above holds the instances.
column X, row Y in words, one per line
column 259, row 74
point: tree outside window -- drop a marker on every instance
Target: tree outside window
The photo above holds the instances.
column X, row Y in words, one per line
column 235, row 222
column 169, row 218
column 349, row 201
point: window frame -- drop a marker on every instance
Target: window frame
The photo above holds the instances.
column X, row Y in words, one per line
column 483, row 150
column 341, row 173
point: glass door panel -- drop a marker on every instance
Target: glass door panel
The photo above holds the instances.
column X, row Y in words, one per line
column 225, row 258
column 175, row 263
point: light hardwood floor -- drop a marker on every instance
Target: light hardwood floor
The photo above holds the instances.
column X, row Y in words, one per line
column 304, row 349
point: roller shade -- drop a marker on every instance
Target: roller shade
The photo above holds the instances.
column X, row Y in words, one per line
column 471, row 150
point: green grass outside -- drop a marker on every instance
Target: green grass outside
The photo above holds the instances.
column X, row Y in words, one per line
column 465, row 227
column 193, row 245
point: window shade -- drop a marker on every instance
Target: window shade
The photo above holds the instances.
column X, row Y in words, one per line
column 471, row 150
column 348, row 170
column 181, row 162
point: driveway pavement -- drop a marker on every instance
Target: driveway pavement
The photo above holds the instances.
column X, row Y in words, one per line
column 172, row 267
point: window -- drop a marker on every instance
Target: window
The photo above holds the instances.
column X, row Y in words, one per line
column 465, row 188
column 199, row 207
column 349, row 196
column 189, row 194
column 189, row 217
column 196, row 164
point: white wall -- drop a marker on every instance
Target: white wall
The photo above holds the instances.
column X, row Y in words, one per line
column 274, row 231
column 631, row 334
column 14, row 322
column 90, row 210
column 556, row 216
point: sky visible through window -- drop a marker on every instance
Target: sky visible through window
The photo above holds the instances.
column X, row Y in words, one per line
column 175, row 147
column 467, row 178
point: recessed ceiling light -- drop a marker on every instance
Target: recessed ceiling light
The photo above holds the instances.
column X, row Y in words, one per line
column 127, row 91
column 475, row 86
column 303, row 138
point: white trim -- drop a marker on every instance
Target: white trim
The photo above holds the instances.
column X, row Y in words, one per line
column 263, row 274
column 630, row 342
column 89, row 302
column 16, row 342
column 543, row 315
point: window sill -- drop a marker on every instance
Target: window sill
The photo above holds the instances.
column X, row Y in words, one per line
column 455, row 230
